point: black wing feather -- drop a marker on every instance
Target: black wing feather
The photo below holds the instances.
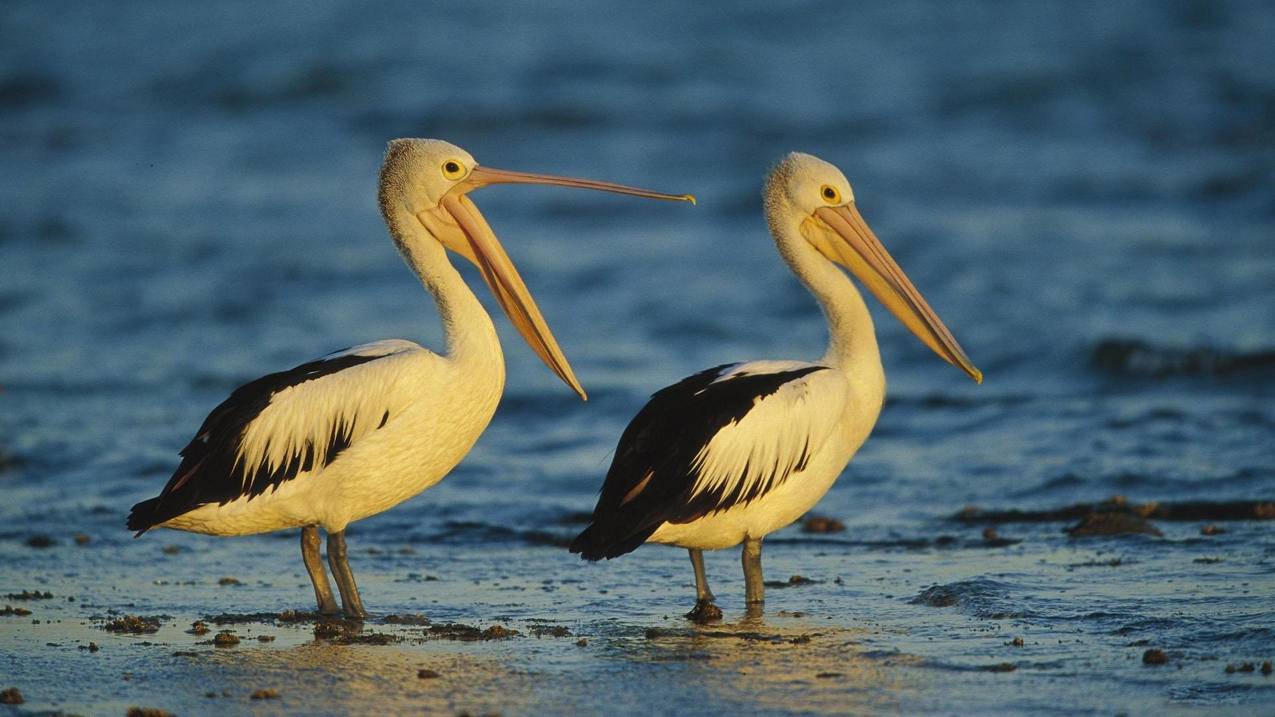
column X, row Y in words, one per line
column 210, row 471
column 659, row 447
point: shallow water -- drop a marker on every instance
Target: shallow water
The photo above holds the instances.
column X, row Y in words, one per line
column 1082, row 191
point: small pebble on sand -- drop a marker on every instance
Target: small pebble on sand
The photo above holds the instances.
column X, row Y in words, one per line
column 228, row 581
column 267, row 694
column 427, row 674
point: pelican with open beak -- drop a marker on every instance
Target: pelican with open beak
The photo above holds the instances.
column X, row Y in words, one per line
column 732, row 454
column 359, row 431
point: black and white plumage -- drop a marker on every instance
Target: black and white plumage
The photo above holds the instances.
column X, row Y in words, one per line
column 721, row 438
column 732, row 454
column 359, row 431
column 241, row 451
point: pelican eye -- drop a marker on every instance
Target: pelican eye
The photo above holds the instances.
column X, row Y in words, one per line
column 453, row 169
column 830, row 194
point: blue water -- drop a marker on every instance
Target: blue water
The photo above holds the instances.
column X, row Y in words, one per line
column 1083, row 191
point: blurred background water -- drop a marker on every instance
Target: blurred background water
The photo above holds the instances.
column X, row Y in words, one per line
column 1084, row 191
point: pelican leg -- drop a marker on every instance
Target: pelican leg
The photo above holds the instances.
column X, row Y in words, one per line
column 314, row 566
column 705, row 610
column 351, row 603
column 754, row 587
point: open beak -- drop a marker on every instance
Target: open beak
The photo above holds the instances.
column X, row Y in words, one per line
column 486, row 176
column 853, row 245
column 484, row 250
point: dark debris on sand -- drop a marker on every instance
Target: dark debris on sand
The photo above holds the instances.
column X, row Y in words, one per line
column 148, row 712
column 405, row 619
column 705, row 611
column 265, row 618
column 993, row 539
column 550, row 630
column 1108, row 524
column 29, row 595
column 379, row 639
column 791, row 582
column 1154, row 510
column 225, row 638
column 1154, row 657
column 350, row 632
column 11, row 696
column 468, row 633
column 133, row 625
column 821, row 524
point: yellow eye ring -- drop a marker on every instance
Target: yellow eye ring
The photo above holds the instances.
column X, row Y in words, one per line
column 830, row 194
column 453, row 169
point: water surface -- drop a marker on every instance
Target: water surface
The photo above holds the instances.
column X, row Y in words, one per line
column 1082, row 191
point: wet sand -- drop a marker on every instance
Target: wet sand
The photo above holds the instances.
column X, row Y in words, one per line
column 961, row 622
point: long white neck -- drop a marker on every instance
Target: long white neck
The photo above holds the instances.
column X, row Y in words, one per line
column 472, row 342
column 852, row 340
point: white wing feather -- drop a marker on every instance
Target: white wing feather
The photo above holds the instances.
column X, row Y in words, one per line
column 353, row 401
column 777, row 435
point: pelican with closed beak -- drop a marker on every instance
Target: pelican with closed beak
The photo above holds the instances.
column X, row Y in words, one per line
column 736, row 452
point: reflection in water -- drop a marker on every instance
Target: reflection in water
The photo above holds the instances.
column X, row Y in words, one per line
column 323, row 678
column 786, row 663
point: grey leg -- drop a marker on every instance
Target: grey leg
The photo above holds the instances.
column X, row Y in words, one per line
column 705, row 610
column 754, row 587
column 702, row 593
column 314, row 566
column 351, row 604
